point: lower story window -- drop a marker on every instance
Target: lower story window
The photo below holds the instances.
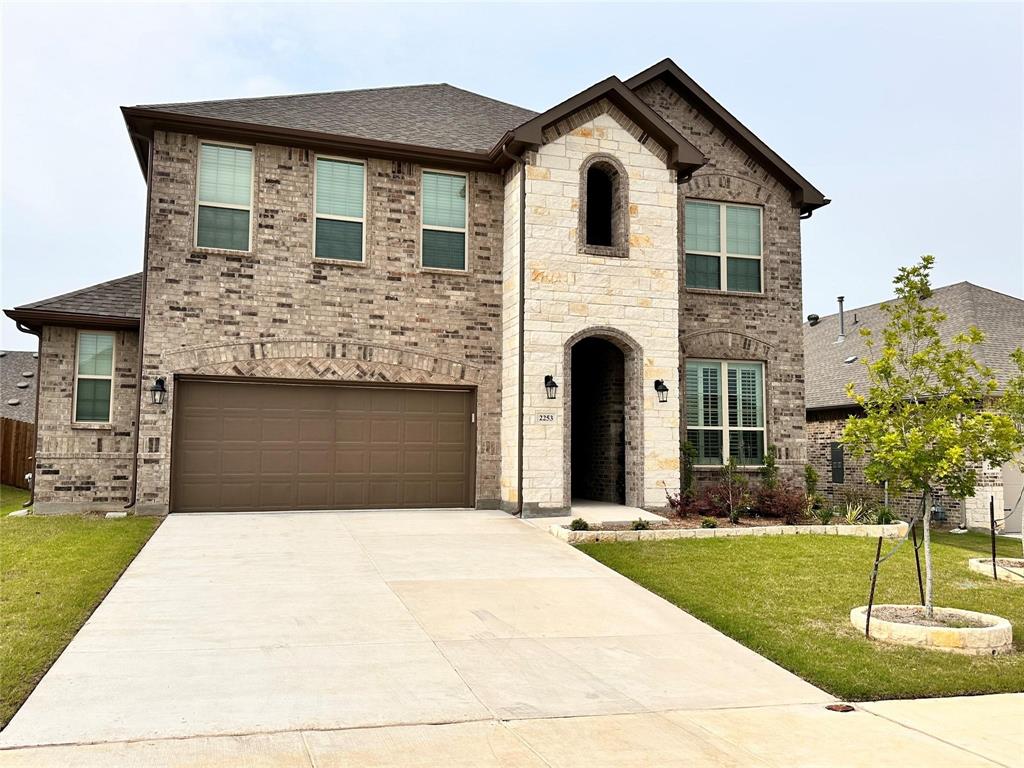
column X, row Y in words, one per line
column 94, row 376
column 725, row 411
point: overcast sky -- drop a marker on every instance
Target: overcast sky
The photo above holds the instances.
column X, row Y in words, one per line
column 908, row 117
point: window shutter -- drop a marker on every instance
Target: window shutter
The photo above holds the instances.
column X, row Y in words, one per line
column 746, row 395
column 339, row 188
column 225, row 174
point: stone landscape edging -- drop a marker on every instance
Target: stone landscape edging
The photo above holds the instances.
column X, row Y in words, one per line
column 975, row 641
column 983, row 565
column 888, row 531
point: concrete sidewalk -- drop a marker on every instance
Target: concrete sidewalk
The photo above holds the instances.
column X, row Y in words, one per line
column 952, row 733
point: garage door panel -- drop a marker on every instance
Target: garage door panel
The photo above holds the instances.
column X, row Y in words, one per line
column 262, row 446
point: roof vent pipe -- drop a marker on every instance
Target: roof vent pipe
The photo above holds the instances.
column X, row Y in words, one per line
column 842, row 321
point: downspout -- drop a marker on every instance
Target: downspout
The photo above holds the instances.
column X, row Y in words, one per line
column 142, row 329
column 521, row 162
column 35, row 448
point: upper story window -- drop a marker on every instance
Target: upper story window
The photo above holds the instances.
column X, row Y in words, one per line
column 340, row 209
column 443, row 237
column 94, row 376
column 723, row 246
column 604, row 207
column 224, row 197
column 725, row 411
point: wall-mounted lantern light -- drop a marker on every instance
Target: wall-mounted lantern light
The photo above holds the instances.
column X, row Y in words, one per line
column 158, row 391
column 662, row 389
column 550, row 386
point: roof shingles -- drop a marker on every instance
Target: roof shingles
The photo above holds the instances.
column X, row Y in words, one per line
column 826, row 374
column 120, row 298
column 18, row 385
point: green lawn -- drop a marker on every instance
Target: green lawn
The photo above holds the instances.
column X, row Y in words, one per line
column 789, row 598
column 53, row 572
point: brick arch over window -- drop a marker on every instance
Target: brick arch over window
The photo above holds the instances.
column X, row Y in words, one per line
column 634, row 410
column 603, row 228
column 320, row 359
column 725, row 345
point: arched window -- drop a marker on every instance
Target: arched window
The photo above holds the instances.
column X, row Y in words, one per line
column 604, row 206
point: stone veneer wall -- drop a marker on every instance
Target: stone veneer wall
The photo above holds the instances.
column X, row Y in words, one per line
column 83, row 467
column 634, row 300
column 276, row 311
column 740, row 326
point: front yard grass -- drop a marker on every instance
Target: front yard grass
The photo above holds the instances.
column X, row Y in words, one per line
column 789, row 599
column 53, row 572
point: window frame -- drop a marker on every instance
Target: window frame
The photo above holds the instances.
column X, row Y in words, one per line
column 332, row 217
column 435, row 228
column 93, row 377
column 723, row 255
column 252, row 195
column 723, row 398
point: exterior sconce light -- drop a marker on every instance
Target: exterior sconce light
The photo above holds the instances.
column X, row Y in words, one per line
column 550, row 386
column 662, row 389
column 158, row 391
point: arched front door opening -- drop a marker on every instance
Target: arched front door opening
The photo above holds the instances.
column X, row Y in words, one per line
column 598, row 438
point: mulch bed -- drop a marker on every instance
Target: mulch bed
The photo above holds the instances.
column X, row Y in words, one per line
column 914, row 614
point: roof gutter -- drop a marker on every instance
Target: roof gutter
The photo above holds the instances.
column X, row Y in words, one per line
column 133, row 494
column 520, row 160
column 38, row 333
column 35, row 319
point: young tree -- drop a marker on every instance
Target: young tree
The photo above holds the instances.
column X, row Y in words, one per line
column 1012, row 401
column 928, row 413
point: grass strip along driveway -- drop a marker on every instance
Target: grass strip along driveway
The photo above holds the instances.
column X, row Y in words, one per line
column 53, row 572
column 789, row 599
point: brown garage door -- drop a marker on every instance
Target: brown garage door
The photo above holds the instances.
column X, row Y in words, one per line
column 256, row 446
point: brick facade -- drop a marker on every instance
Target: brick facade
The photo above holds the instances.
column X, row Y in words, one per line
column 763, row 327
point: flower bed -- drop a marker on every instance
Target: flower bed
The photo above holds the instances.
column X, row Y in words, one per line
column 1008, row 569
column 952, row 630
column 890, row 531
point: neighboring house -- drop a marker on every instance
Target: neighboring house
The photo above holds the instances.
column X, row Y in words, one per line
column 834, row 358
column 423, row 297
column 17, row 416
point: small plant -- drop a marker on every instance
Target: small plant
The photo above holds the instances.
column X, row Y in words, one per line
column 730, row 494
column 641, row 525
column 784, row 501
column 708, row 522
column 823, row 514
column 579, row 524
column 854, row 513
column 770, row 469
column 689, row 459
column 884, row 516
column 811, row 481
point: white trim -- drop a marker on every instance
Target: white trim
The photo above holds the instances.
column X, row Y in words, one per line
column 229, row 206
column 723, row 411
column 91, row 376
column 432, row 227
column 332, row 217
column 722, row 254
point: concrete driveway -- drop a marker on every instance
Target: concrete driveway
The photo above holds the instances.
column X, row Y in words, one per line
column 447, row 628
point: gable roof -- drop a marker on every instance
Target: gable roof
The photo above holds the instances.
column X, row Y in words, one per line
column 18, row 385
column 999, row 316
column 806, row 195
column 113, row 304
column 681, row 153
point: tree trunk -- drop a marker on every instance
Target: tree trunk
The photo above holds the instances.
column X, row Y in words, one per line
column 929, row 607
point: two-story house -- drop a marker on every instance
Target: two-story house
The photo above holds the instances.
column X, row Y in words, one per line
column 423, row 297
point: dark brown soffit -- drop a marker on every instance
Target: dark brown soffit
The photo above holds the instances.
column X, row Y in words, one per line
column 36, row 318
column 805, row 194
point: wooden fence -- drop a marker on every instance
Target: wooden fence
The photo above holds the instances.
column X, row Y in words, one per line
column 17, row 447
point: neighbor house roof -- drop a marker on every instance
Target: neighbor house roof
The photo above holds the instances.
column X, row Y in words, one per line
column 826, row 373
column 18, row 385
column 113, row 304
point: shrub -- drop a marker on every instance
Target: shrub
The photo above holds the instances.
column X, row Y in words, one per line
column 823, row 514
column 641, row 525
column 689, row 459
column 770, row 470
column 708, row 522
column 579, row 524
column 811, row 482
column 730, row 494
column 784, row 501
column 854, row 513
column 884, row 516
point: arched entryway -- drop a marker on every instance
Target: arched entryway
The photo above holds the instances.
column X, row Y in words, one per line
column 603, row 418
